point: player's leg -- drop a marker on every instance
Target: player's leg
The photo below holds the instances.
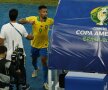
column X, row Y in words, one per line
column 34, row 56
column 43, row 53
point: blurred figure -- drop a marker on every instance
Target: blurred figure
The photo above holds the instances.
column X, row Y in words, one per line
column 11, row 37
column 40, row 27
column 4, row 68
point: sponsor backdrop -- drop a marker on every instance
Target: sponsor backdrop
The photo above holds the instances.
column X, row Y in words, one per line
column 79, row 40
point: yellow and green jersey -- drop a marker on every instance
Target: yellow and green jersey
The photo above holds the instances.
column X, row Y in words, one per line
column 40, row 31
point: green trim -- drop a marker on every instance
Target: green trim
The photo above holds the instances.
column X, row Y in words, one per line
column 32, row 2
column 38, row 18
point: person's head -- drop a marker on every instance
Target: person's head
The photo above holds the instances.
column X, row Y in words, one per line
column 43, row 11
column 3, row 51
column 13, row 13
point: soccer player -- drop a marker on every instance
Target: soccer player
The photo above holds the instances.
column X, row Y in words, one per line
column 40, row 27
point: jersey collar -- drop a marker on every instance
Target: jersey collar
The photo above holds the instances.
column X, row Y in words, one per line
column 38, row 18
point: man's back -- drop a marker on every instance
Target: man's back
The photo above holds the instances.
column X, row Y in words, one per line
column 12, row 37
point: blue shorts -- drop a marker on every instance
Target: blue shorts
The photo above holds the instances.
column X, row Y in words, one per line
column 35, row 52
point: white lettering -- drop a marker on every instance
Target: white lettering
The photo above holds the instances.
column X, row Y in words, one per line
column 82, row 32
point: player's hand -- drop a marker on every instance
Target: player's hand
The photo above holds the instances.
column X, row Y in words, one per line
column 31, row 36
column 32, row 22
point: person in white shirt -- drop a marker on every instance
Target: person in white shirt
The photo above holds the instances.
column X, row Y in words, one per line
column 11, row 36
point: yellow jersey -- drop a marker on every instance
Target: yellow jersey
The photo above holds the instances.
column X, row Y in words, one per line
column 40, row 31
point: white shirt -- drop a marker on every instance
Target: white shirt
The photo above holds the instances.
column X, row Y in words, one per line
column 12, row 37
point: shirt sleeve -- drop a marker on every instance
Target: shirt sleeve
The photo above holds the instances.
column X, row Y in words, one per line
column 3, row 34
column 25, row 33
column 51, row 21
column 31, row 18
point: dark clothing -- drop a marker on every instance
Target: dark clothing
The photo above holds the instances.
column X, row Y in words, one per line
column 3, row 69
column 9, row 71
column 4, row 73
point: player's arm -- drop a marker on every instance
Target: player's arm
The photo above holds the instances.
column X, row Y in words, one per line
column 1, row 41
column 29, row 20
column 2, row 35
column 23, row 21
column 29, row 37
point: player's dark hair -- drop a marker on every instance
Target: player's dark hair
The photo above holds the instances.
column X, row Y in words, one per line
column 13, row 13
column 42, row 7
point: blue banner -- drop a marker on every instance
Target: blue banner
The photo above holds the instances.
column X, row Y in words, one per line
column 79, row 40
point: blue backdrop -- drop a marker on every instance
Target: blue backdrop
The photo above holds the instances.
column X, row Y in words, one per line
column 79, row 40
column 24, row 11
